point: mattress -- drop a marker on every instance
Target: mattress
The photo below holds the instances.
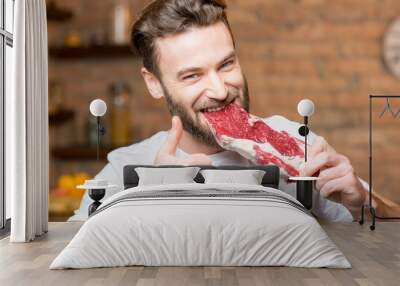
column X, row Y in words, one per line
column 201, row 225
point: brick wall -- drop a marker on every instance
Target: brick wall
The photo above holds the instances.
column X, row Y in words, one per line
column 330, row 52
column 325, row 50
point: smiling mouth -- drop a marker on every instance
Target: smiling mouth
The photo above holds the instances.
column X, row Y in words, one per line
column 220, row 108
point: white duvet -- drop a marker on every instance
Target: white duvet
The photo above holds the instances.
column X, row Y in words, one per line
column 188, row 231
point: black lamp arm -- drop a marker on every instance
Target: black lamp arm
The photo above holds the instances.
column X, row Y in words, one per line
column 100, row 132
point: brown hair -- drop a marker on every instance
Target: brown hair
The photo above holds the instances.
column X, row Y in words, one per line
column 165, row 17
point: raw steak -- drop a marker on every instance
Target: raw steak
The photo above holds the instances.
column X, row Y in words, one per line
column 236, row 130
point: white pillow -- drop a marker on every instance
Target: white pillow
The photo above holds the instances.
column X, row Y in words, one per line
column 249, row 177
column 163, row 176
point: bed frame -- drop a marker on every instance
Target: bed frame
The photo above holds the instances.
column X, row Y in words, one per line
column 270, row 179
column 131, row 178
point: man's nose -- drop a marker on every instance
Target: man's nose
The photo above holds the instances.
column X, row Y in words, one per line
column 216, row 89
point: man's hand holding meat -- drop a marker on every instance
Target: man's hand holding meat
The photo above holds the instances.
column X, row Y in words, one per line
column 337, row 178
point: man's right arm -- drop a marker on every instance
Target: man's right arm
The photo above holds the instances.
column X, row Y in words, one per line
column 166, row 155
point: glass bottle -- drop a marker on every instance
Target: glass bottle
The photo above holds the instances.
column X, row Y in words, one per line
column 121, row 22
column 55, row 97
column 120, row 124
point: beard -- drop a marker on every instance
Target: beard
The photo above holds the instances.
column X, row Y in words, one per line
column 192, row 125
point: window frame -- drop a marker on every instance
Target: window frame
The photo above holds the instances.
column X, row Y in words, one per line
column 6, row 39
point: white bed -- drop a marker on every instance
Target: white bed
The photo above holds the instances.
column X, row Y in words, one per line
column 251, row 225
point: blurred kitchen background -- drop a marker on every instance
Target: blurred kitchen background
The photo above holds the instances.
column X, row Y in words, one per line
column 335, row 52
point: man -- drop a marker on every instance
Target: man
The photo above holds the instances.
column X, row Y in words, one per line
column 189, row 59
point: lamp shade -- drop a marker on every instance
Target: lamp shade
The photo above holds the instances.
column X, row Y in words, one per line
column 305, row 107
column 98, row 107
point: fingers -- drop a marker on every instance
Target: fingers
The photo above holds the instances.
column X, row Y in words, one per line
column 329, row 174
column 164, row 160
column 174, row 136
column 320, row 161
column 345, row 190
column 331, row 190
column 319, row 145
column 195, row 159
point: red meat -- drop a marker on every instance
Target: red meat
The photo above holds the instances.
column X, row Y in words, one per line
column 236, row 130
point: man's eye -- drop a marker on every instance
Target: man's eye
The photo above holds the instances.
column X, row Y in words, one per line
column 190, row 76
column 227, row 64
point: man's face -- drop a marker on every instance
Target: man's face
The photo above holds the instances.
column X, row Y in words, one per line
column 200, row 71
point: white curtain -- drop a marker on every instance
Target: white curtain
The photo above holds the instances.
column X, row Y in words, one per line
column 27, row 124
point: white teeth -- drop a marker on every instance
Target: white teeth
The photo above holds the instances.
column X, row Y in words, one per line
column 214, row 109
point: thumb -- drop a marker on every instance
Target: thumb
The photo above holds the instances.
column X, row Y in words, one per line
column 174, row 136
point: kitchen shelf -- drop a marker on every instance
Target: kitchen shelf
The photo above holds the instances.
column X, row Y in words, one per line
column 92, row 52
column 58, row 14
column 61, row 116
column 81, row 152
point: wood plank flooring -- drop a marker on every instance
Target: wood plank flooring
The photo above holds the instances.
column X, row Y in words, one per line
column 375, row 257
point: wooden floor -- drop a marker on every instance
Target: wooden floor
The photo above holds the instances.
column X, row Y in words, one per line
column 375, row 257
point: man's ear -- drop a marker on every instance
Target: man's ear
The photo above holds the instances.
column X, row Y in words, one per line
column 152, row 83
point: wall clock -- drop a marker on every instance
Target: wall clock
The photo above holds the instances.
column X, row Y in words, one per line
column 391, row 47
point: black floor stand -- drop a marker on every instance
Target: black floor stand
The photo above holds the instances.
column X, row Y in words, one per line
column 386, row 109
column 373, row 215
